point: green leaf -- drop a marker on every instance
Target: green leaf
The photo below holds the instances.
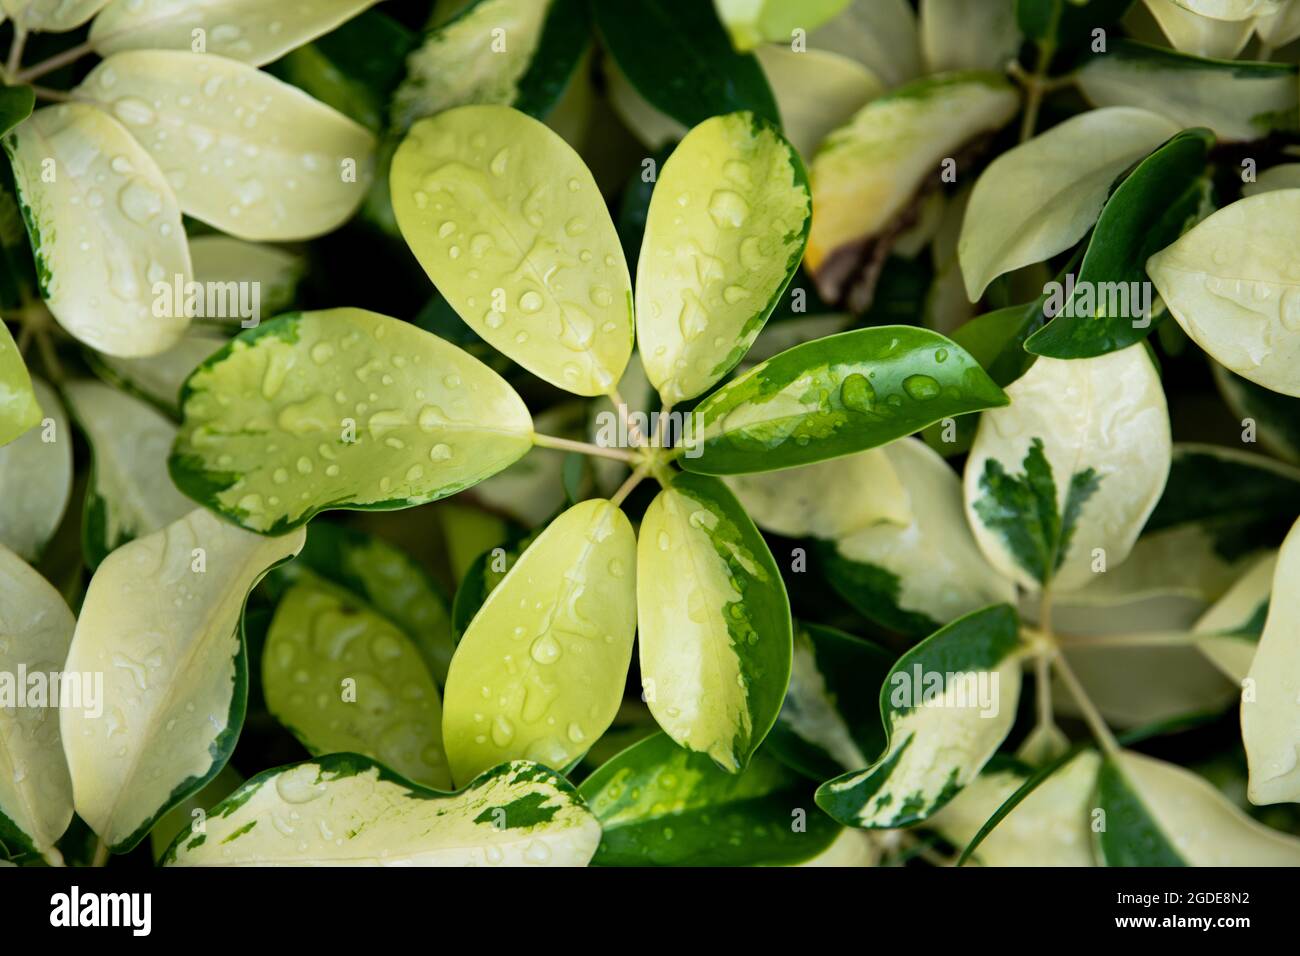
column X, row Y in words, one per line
column 827, row 725
column 19, row 409
column 1158, row 814
column 16, row 104
column 540, row 672
column 161, row 622
column 1228, row 633
column 726, row 229
column 1238, row 100
column 1066, row 24
column 1276, row 417
column 35, row 790
column 1075, row 463
column 253, row 31
column 182, row 818
column 340, row 409
column 947, row 705
column 510, row 226
column 660, row 805
column 715, row 646
column 342, row 679
column 915, row 577
column 298, row 170
column 691, row 71
column 1064, row 176
column 773, row 21
column 353, row 812
column 36, row 478
column 519, row 53
column 130, row 494
column 835, row 396
column 1146, row 212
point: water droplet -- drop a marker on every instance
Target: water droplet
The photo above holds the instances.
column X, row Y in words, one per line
column 857, row 394
column 921, row 387
column 728, row 209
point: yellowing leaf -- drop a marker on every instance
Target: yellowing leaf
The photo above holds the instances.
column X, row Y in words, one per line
column 161, row 623
column 509, row 225
column 1233, row 284
column 255, row 157
column 105, row 227
column 541, row 669
column 726, row 228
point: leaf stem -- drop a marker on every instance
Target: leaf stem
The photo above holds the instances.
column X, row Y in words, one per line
column 625, row 489
column 633, row 433
column 49, row 356
column 15, row 58
column 1091, row 715
column 101, row 854
column 70, row 55
column 584, row 448
column 58, row 96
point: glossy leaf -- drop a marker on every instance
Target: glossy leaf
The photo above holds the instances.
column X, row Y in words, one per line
column 545, row 683
column 947, row 705
column 1232, row 9
column 835, row 396
column 273, row 270
column 509, row 224
column 162, row 622
column 725, row 232
column 35, row 790
column 157, row 379
column 36, row 479
column 518, row 814
column 715, row 654
column 254, row 157
column 16, row 104
column 660, row 805
column 103, row 231
column 438, row 421
column 182, row 817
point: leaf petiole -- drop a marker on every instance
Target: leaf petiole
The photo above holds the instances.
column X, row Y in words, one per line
column 585, row 448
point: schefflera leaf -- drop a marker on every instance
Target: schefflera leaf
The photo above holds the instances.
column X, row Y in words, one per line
column 103, row 231
column 509, row 224
column 753, row 22
column 868, row 171
column 1228, row 633
column 1158, row 814
column 51, row 16
column 660, row 805
column 340, row 409
column 343, row 679
column 1064, row 175
column 350, row 811
column 1075, row 463
column 838, row 395
column 1270, row 706
column 716, row 643
column 253, row 31
column 540, row 671
column 1233, row 284
column 130, row 493
column 162, row 622
column 19, row 409
column 726, row 228
column 947, row 705
column 35, row 789
column 253, row 156
column 36, row 478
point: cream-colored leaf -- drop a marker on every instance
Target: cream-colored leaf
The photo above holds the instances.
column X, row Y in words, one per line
column 36, row 478
column 51, row 16
column 1199, row 35
column 1231, row 9
column 815, row 92
column 158, row 378
column 879, row 34
column 1279, row 29
column 1285, row 176
column 960, row 35
column 1229, row 632
column 270, row 274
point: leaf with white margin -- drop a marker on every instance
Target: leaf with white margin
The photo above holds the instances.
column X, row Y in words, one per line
column 869, row 170
column 36, row 478
column 103, row 231
column 253, row 31
column 341, row 409
column 1094, row 437
column 51, row 16
column 35, row 790
column 1065, row 175
column 182, row 818
column 958, row 35
column 1158, row 814
column 1192, row 33
column 751, row 23
column 320, row 639
column 244, row 152
column 509, row 224
column 1228, row 633
column 273, row 271
column 1233, row 284
column 350, row 811
column 1278, row 29
column 130, row 493
column 1048, row 828
column 1231, row 9
column 19, row 409
column 540, row 672
column 1238, row 100
column 919, row 576
column 815, row 92
column 879, row 34
column 168, row 639
column 1270, row 705
column 947, row 706
column 716, row 643
column 660, row 805
column 725, row 231
column 1285, row 176
column 829, row 499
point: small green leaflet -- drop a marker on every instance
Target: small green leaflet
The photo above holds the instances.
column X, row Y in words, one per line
column 16, row 104
column 1023, row 510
